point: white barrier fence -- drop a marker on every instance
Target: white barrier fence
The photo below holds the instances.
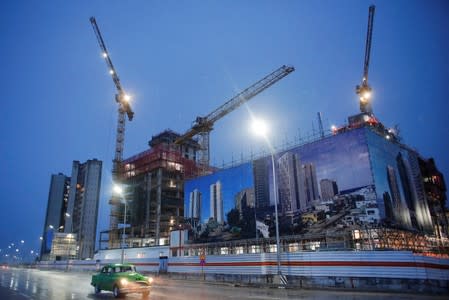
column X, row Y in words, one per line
column 357, row 264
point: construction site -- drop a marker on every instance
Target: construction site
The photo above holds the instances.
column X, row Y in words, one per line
column 152, row 204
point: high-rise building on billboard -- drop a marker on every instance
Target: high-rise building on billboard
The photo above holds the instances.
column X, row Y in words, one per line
column 291, row 184
column 261, row 185
column 394, row 188
column 328, row 189
column 311, row 184
column 195, row 205
column 435, row 189
column 216, row 202
column 245, row 199
column 401, row 211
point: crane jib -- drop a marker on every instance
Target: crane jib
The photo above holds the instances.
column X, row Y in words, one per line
column 205, row 124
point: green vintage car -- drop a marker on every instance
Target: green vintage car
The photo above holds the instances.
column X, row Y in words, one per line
column 121, row 279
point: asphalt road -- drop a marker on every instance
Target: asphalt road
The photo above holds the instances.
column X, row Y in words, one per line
column 21, row 284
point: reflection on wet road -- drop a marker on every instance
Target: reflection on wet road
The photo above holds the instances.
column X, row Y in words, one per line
column 55, row 285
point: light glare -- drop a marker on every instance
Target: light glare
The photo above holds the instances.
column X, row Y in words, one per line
column 259, row 127
column 118, row 189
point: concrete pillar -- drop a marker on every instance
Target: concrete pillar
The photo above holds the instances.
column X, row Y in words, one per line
column 158, row 209
column 147, row 201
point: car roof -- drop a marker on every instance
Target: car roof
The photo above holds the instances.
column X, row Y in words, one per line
column 119, row 265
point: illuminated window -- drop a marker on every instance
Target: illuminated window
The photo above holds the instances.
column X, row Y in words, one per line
column 293, row 247
column 239, row 250
column 255, row 249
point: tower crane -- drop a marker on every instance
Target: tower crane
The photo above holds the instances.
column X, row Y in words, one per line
column 121, row 98
column 204, row 125
column 364, row 90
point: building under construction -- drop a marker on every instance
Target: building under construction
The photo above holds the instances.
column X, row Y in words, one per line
column 153, row 190
column 152, row 181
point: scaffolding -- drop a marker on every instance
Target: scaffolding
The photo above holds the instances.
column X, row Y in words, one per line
column 384, row 238
column 153, row 190
column 354, row 239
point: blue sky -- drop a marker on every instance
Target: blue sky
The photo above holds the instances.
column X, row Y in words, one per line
column 181, row 59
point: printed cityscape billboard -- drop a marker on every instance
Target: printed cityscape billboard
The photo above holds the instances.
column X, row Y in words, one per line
column 357, row 176
column 399, row 184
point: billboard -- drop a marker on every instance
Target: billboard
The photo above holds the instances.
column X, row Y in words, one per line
column 399, row 184
column 357, row 176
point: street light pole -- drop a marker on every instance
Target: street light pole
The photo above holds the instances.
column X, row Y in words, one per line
column 119, row 191
column 123, row 234
column 276, row 216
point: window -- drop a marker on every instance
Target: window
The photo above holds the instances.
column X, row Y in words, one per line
column 127, row 269
column 293, row 247
column 239, row 250
column 255, row 249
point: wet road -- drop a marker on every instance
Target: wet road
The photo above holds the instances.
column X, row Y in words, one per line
column 21, row 284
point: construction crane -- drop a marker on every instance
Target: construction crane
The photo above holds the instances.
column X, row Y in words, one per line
column 204, row 125
column 364, row 90
column 121, row 98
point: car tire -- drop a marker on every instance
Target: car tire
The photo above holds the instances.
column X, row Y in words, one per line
column 145, row 295
column 116, row 291
column 97, row 289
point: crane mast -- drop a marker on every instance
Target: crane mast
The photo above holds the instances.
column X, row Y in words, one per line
column 121, row 98
column 364, row 90
column 204, row 125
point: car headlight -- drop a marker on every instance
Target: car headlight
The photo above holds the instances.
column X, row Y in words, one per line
column 123, row 281
column 150, row 280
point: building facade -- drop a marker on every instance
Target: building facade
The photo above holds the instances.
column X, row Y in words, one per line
column 55, row 216
column 216, row 202
column 72, row 212
column 328, row 188
column 291, row 184
column 311, row 184
column 83, row 205
column 152, row 181
column 261, row 185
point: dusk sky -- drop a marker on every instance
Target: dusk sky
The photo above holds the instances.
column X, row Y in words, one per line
column 183, row 59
